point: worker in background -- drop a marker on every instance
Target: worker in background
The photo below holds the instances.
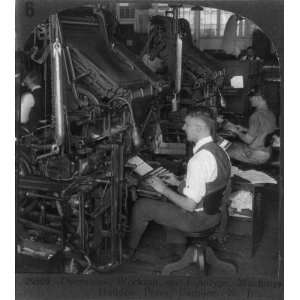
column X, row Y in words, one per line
column 262, row 122
column 208, row 171
column 32, row 100
column 19, row 71
column 250, row 55
column 155, row 49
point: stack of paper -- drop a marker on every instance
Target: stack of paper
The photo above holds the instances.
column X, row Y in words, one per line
column 141, row 167
column 253, row 176
column 144, row 169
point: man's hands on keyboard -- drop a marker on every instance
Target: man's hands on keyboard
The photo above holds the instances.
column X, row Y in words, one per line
column 170, row 179
column 166, row 176
column 157, row 184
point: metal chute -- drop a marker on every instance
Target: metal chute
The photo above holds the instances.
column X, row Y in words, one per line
column 178, row 64
column 57, row 90
column 178, row 74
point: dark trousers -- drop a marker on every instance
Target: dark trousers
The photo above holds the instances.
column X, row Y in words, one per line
column 177, row 220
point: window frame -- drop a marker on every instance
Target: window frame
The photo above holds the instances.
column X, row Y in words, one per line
column 218, row 24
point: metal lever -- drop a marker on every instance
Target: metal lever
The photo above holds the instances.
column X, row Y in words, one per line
column 54, row 151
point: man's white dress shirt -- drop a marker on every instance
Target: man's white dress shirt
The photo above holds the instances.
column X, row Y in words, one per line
column 201, row 169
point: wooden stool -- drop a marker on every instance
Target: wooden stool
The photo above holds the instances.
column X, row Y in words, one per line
column 199, row 253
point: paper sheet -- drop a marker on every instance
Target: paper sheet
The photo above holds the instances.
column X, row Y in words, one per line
column 142, row 168
column 253, row 176
column 241, row 200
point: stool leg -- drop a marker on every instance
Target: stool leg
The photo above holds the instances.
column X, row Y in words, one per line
column 199, row 255
column 192, row 254
column 214, row 261
column 199, row 258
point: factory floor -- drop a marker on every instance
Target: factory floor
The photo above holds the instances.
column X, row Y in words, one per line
column 264, row 262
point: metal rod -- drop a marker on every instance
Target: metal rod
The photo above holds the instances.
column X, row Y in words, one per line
column 82, row 220
column 112, row 207
column 38, row 226
column 49, row 217
column 115, row 188
column 147, row 120
column 66, row 66
column 79, row 23
column 102, row 181
column 56, row 50
column 36, row 195
column 120, row 206
column 71, row 64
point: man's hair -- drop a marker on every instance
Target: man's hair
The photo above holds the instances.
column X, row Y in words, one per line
column 34, row 76
column 206, row 115
column 256, row 91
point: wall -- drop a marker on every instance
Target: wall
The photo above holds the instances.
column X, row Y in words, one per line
column 141, row 25
column 216, row 43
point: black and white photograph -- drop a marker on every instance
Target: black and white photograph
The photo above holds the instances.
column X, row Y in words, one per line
column 149, row 149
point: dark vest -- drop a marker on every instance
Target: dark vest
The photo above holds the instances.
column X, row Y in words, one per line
column 210, row 203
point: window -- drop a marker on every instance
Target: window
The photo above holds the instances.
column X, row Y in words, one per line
column 189, row 15
column 245, row 28
column 209, row 22
column 161, row 11
column 127, row 12
column 241, row 28
column 162, row 8
column 213, row 22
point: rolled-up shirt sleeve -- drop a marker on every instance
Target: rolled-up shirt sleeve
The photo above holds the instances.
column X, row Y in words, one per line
column 254, row 125
column 201, row 169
